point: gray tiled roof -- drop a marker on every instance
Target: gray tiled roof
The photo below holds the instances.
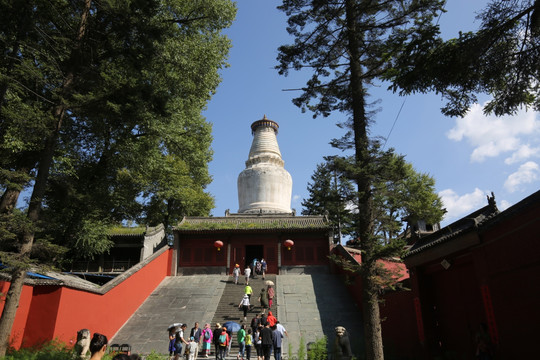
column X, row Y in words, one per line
column 466, row 224
column 253, row 223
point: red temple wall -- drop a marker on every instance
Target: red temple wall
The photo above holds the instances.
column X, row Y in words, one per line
column 494, row 283
column 48, row 312
column 396, row 311
column 199, row 251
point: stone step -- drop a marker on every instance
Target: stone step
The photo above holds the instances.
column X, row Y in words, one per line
column 227, row 309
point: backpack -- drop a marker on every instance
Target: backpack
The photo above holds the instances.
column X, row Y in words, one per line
column 207, row 335
column 223, row 340
column 255, row 322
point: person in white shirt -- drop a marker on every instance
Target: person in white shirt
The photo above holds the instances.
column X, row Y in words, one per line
column 236, row 273
column 244, row 304
column 247, row 274
column 281, row 329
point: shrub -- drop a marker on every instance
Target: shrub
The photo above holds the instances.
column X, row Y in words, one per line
column 318, row 350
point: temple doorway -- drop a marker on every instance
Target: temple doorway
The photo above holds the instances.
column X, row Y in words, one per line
column 254, row 252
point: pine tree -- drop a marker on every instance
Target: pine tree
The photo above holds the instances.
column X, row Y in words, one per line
column 500, row 59
column 347, row 45
column 332, row 194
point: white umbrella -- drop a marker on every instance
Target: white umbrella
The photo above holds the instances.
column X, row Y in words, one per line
column 269, row 282
column 175, row 325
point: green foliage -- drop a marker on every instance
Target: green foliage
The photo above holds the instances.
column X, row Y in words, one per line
column 400, row 195
column 53, row 350
column 500, row 59
column 301, row 353
column 155, row 356
column 129, row 143
column 330, row 192
column 318, row 350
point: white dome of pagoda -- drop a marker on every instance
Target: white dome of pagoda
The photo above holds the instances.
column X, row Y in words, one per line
column 264, row 186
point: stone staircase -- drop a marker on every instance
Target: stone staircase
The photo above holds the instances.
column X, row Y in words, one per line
column 310, row 306
column 227, row 309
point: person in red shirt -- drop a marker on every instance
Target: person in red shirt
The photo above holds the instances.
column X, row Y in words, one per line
column 271, row 319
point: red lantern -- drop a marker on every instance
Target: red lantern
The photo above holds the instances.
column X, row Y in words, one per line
column 218, row 244
column 288, row 244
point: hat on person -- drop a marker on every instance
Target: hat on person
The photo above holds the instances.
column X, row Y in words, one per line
column 192, row 338
column 236, row 265
column 218, row 325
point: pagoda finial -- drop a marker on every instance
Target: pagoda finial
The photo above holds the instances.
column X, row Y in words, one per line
column 264, row 122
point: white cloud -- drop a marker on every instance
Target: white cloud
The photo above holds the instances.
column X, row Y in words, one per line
column 504, row 205
column 491, row 136
column 457, row 206
column 523, row 153
column 526, row 174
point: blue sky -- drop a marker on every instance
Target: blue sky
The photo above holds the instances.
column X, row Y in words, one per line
column 469, row 157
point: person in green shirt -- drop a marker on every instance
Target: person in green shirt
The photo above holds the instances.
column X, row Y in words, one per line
column 248, row 291
column 241, row 337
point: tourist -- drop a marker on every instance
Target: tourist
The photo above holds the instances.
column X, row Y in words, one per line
column 229, row 345
column 223, row 341
column 267, row 342
column 192, row 348
column 263, row 298
column 276, row 343
column 255, row 322
column 249, row 344
column 207, row 336
column 258, row 267
column 258, row 342
column 236, row 273
column 254, row 268
column 172, row 340
column 98, row 346
column 180, row 342
column 263, row 267
column 241, row 337
column 215, row 336
column 271, row 293
column 196, row 333
column 263, row 321
column 248, row 291
column 271, row 319
column 281, row 329
column 244, row 304
column 121, row 356
column 247, row 274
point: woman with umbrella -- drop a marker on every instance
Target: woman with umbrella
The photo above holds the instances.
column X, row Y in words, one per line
column 173, row 329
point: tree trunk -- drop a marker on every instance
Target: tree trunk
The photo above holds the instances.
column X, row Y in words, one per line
column 10, row 309
column 370, row 304
column 9, row 200
column 18, row 274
